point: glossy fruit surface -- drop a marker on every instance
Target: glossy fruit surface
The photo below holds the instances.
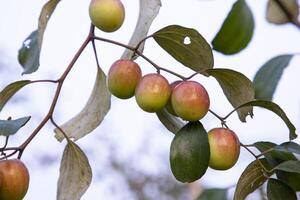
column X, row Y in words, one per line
column 14, row 180
column 123, row 77
column 152, row 92
column 224, row 148
column 107, row 15
column 190, row 100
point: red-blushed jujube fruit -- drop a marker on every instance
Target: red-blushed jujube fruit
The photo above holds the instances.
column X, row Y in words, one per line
column 169, row 106
column 152, row 92
column 123, row 77
column 14, row 180
column 224, row 148
column 107, row 15
column 190, row 100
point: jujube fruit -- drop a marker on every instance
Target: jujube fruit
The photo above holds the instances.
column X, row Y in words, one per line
column 224, row 148
column 123, row 77
column 152, row 92
column 107, row 15
column 190, row 100
column 14, row 179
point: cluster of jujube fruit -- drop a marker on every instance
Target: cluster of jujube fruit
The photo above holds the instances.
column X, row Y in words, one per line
column 186, row 99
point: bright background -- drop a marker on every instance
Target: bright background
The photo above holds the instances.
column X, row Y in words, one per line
column 129, row 138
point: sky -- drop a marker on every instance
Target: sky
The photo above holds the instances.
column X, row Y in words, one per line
column 126, row 126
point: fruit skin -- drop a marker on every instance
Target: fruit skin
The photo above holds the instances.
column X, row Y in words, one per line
column 190, row 100
column 224, row 148
column 123, row 77
column 169, row 106
column 107, row 15
column 152, row 92
column 14, row 179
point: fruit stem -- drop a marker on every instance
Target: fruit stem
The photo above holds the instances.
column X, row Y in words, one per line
column 140, row 54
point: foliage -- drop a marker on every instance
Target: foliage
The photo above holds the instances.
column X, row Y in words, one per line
column 189, row 151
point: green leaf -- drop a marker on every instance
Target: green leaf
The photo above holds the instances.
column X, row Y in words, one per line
column 213, row 194
column 276, row 15
column 187, row 46
column 149, row 9
column 252, row 178
column 289, row 147
column 10, row 127
column 189, row 153
column 276, row 157
column 10, row 90
column 268, row 76
column 75, row 174
column 236, row 31
column 171, row 122
column 29, row 53
column 289, row 166
column 237, row 88
column 91, row 116
column 277, row 190
column 277, row 110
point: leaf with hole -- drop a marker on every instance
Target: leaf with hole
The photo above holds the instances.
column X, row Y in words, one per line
column 276, row 14
column 252, row 178
column 29, row 53
column 148, row 12
column 236, row 31
column 213, row 194
column 75, row 173
column 10, row 127
column 187, row 46
column 277, row 110
column 172, row 123
column 91, row 116
column 189, row 153
column 278, row 190
column 237, row 88
column 268, row 76
column 10, row 90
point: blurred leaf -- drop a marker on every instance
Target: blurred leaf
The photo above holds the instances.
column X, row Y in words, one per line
column 171, row 122
column 252, row 178
column 237, row 88
column 75, row 174
column 289, row 147
column 277, row 15
column 268, row 76
column 10, row 90
column 29, row 53
column 91, row 116
column 236, row 31
column 187, row 46
column 189, row 153
column 213, row 194
column 289, row 166
column 277, row 110
column 148, row 12
column 10, row 127
column 279, row 156
column 277, row 190
column 276, row 157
